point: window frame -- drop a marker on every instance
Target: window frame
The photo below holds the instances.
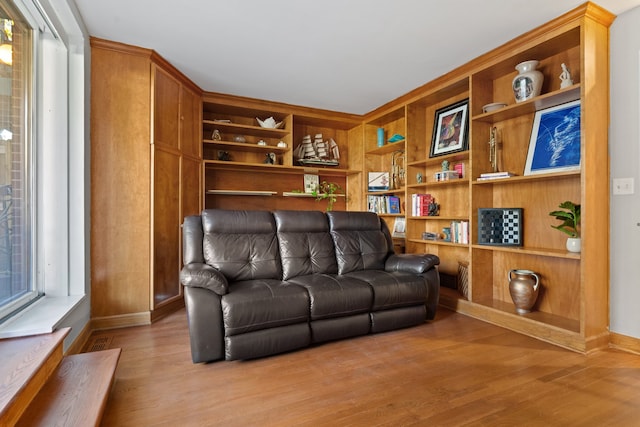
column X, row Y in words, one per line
column 61, row 152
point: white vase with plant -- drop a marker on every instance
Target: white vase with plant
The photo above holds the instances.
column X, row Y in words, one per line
column 570, row 217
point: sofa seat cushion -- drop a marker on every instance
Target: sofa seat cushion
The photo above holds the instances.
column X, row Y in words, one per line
column 393, row 289
column 253, row 305
column 335, row 296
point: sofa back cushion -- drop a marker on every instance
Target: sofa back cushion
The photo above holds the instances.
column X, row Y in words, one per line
column 306, row 247
column 241, row 244
column 192, row 240
column 360, row 241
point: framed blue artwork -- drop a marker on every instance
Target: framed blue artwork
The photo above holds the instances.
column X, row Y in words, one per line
column 555, row 140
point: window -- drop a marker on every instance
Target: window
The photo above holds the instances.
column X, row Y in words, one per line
column 48, row 170
column 17, row 286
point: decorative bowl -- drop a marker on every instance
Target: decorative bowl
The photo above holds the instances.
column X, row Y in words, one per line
column 493, row 107
column 269, row 123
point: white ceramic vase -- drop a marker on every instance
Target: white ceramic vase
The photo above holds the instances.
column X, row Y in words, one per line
column 528, row 83
column 573, row 244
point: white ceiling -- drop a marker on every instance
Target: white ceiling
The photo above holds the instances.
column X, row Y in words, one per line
column 342, row 55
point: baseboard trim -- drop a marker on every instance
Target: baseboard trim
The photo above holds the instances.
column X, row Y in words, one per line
column 167, row 308
column 624, row 343
column 121, row 321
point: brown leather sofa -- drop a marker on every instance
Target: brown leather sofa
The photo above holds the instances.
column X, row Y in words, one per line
column 259, row 283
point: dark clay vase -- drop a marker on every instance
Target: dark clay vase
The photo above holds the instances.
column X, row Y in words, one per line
column 523, row 287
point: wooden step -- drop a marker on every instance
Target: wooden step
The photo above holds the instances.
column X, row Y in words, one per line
column 27, row 364
column 77, row 394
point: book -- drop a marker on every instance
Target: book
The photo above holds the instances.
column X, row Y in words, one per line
column 495, row 175
column 489, row 178
column 393, row 204
column 460, row 232
column 384, row 204
column 420, row 204
column 459, row 167
column 311, row 183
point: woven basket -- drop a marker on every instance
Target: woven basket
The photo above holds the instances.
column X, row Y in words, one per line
column 463, row 279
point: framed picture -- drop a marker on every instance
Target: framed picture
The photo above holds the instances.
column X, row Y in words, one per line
column 450, row 129
column 399, row 228
column 555, row 140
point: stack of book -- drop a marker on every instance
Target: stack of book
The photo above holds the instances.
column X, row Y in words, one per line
column 495, row 175
column 387, row 204
column 460, row 232
column 420, row 204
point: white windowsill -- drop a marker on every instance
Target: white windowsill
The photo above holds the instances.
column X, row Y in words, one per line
column 41, row 317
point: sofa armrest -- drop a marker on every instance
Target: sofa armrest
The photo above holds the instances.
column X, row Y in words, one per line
column 412, row 263
column 200, row 275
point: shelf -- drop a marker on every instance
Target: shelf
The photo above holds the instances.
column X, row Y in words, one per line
column 385, row 192
column 387, row 117
column 555, row 253
column 243, row 146
column 440, row 183
column 455, row 157
column 504, row 314
column 541, row 102
column 262, row 167
column 322, row 121
column 242, row 192
column 297, row 194
column 439, row 242
column 244, row 129
column 438, row 218
column 387, row 148
column 529, row 178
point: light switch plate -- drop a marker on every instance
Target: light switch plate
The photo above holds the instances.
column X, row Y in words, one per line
column 622, row 186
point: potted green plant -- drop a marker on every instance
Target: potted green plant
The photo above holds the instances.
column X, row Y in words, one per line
column 570, row 225
column 327, row 190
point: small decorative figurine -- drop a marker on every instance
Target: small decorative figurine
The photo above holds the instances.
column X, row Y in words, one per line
column 445, row 165
column 419, row 177
column 224, row 156
column 270, row 159
column 216, row 135
column 434, row 208
column 565, row 77
column 447, row 234
column 493, row 149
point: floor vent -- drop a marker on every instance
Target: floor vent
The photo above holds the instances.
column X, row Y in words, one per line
column 99, row 343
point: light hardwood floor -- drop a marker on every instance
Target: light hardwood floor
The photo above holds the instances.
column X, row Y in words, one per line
column 454, row 371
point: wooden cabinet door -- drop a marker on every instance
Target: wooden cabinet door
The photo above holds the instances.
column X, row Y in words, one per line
column 166, row 225
column 191, row 188
column 120, row 186
column 166, row 98
column 190, row 123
